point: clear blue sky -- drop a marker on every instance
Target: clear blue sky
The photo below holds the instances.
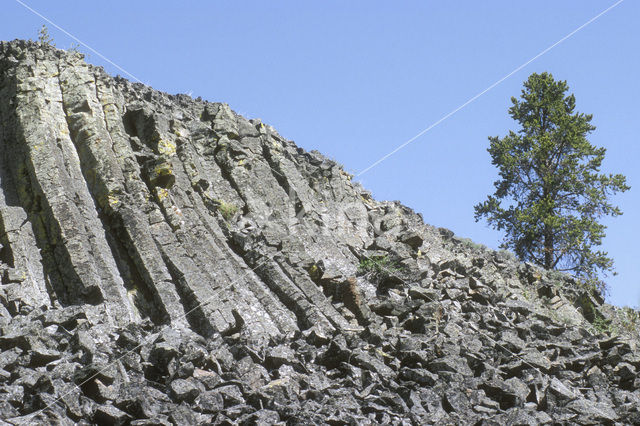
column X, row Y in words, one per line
column 356, row 79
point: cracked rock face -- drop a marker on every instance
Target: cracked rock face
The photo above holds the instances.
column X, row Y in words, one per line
column 167, row 261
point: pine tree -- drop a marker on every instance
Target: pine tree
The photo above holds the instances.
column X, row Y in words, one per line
column 550, row 178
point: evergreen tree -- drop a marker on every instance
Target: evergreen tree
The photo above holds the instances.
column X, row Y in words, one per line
column 550, row 178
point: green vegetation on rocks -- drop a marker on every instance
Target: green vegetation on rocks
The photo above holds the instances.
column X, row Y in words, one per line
column 378, row 268
column 44, row 37
column 227, row 210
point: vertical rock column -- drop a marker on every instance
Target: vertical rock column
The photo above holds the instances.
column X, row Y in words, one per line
column 23, row 279
column 113, row 178
column 53, row 189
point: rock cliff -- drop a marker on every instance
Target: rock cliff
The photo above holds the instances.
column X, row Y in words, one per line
column 167, row 261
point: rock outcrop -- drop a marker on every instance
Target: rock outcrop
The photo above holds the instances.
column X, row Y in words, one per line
column 167, row 261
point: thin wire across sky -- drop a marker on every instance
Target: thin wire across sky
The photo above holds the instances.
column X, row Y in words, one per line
column 403, row 145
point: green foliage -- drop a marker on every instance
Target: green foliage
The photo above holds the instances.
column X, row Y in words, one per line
column 44, row 37
column 601, row 325
column 549, row 177
column 592, row 285
column 227, row 210
column 378, row 268
column 627, row 320
column 562, row 319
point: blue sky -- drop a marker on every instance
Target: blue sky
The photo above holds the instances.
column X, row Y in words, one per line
column 356, row 79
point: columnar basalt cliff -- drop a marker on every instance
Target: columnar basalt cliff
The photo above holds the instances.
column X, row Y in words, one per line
column 167, row 261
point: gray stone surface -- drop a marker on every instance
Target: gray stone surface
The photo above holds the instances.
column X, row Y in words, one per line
column 164, row 260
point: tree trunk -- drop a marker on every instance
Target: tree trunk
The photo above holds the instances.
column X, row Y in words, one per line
column 548, row 247
column 548, row 231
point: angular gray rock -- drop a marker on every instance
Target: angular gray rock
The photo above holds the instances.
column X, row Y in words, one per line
column 164, row 260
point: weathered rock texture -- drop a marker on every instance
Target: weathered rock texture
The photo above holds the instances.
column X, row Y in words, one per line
column 167, row 261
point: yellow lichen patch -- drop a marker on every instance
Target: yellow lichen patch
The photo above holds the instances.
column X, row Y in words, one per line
column 277, row 382
column 163, row 169
column 314, row 272
column 179, row 132
column 383, row 354
column 134, row 297
column 112, row 200
column 110, row 108
column 162, row 175
column 166, row 147
column 367, row 200
column 162, row 193
column 348, row 175
column 107, row 199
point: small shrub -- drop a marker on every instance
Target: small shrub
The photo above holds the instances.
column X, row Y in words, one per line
column 601, row 325
column 556, row 277
column 227, row 210
column 629, row 319
column 74, row 48
column 378, row 268
column 44, row 37
column 562, row 319
column 470, row 244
